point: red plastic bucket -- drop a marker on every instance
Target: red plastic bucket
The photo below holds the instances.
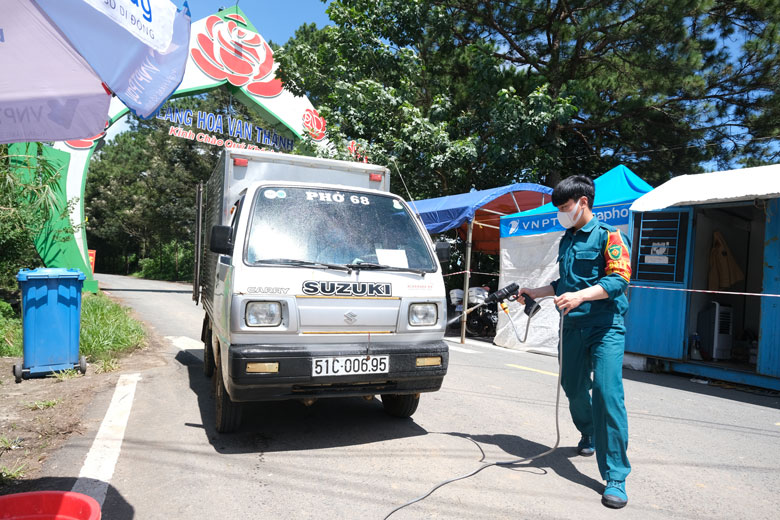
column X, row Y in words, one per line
column 49, row 505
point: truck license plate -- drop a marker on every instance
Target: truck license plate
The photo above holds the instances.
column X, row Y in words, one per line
column 350, row 365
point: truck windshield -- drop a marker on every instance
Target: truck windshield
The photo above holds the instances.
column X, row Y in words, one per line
column 299, row 226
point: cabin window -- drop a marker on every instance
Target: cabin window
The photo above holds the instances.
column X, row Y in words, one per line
column 660, row 245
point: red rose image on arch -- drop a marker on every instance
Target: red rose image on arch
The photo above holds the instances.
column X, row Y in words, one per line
column 86, row 143
column 226, row 51
column 314, row 123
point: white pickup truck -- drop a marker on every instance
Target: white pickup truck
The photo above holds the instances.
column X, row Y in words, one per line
column 317, row 282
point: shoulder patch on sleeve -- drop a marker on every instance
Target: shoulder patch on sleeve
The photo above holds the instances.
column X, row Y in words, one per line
column 617, row 256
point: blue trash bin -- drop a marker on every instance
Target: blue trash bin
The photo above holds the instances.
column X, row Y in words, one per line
column 51, row 316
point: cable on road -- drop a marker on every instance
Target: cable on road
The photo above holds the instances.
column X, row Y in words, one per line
column 506, row 463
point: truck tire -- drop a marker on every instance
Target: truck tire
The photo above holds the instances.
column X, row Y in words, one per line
column 228, row 413
column 400, row 405
column 208, row 355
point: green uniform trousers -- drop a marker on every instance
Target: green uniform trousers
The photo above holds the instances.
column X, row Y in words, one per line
column 600, row 350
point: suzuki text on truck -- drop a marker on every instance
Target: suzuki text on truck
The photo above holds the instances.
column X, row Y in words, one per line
column 317, row 282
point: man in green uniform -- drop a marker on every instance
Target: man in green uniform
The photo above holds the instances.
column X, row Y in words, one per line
column 594, row 267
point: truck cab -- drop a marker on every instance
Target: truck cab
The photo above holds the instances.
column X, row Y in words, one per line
column 317, row 282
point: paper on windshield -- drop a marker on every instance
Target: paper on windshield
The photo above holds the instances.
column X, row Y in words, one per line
column 392, row 257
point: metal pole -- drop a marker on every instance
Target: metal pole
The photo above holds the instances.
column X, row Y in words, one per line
column 463, row 316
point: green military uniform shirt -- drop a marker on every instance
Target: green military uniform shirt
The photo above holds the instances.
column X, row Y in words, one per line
column 596, row 254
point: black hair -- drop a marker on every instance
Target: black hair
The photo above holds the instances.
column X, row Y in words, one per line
column 572, row 188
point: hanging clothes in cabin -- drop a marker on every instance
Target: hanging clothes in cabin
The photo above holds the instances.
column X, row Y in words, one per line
column 724, row 270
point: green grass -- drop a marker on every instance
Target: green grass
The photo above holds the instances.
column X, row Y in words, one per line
column 10, row 337
column 106, row 331
column 104, row 366
column 64, row 375
column 42, row 405
column 8, row 444
column 12, row 474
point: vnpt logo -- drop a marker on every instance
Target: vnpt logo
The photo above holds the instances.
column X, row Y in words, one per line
column 2, row 36
column 62, row 112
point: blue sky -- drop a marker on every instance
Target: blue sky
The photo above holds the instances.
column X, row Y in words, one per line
column 276, row 20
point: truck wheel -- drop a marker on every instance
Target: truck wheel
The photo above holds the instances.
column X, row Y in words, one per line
column 208, row 356
column 18, row 372
column 83, row 365
column 228, row 413
column 400, row 405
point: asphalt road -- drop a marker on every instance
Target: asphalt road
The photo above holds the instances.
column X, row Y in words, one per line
column 698, row 451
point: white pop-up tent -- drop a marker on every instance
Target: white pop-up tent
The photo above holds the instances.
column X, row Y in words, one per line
column 529, row 254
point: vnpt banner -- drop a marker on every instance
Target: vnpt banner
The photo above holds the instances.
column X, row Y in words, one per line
column 615, row 215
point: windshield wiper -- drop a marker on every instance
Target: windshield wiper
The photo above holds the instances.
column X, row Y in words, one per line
column 370, row 265
column 303, row 263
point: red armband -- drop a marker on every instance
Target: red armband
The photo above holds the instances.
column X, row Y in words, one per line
column 617, row 256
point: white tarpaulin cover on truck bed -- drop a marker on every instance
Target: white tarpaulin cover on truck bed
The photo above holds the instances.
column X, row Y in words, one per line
column 761, row 182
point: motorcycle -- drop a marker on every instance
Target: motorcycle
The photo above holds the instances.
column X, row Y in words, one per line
column 482, row 321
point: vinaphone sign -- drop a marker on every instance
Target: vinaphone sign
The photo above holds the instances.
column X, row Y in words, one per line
column 225, row 50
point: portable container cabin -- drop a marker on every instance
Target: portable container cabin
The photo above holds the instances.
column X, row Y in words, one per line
column 704, row 295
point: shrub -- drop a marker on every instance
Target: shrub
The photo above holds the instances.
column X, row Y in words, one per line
column 107, row 328
column 173, row 263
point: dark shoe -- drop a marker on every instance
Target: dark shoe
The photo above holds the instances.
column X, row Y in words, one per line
column 585, row 446
column 615, row 495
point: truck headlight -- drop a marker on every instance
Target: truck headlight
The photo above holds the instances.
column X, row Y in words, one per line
column 263, row 314
column 423, row 314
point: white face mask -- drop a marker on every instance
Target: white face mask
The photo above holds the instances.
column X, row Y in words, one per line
column 568, row 219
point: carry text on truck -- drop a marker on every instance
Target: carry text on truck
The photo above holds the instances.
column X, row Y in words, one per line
column 317, row 282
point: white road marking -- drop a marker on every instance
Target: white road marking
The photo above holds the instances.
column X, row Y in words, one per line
column 545, row 372
column 185, row 343
column 101, row 460
column 464, row 350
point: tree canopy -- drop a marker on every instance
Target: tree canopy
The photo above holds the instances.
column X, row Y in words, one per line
column 462, row 94
column 465, row 93
column 140, row 195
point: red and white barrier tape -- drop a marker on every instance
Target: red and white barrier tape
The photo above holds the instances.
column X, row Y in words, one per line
column 704, row 291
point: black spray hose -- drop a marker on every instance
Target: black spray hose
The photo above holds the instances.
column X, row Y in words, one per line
column 504, row 463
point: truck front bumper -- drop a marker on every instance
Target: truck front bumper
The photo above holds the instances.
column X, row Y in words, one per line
column 294, row 379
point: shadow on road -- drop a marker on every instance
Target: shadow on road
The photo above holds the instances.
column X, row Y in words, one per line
column 291, row 426
column 517, row 447
column 114, row 507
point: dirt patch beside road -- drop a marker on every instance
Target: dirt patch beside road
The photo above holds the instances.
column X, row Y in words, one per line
column 38, row 415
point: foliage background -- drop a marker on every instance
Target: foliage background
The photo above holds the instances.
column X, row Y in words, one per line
column 462, row 94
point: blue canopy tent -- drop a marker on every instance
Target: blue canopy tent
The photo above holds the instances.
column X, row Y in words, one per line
column 615, row 191
column 476, row 215
column 483, row 208
column 529, row 250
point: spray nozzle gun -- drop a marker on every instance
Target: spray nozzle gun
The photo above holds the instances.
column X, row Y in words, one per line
column 503, row 293
column 509, row 292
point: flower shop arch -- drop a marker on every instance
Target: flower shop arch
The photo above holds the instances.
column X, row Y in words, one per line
column 225, row 50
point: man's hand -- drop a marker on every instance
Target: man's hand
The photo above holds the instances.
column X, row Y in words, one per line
column 536, row 293
column 524, row 290
column 569, row 301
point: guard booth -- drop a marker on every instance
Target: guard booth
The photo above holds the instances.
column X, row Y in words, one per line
column 704, row 295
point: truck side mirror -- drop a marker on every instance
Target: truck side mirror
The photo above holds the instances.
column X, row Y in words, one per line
column 443, row 252
column 220, row 240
